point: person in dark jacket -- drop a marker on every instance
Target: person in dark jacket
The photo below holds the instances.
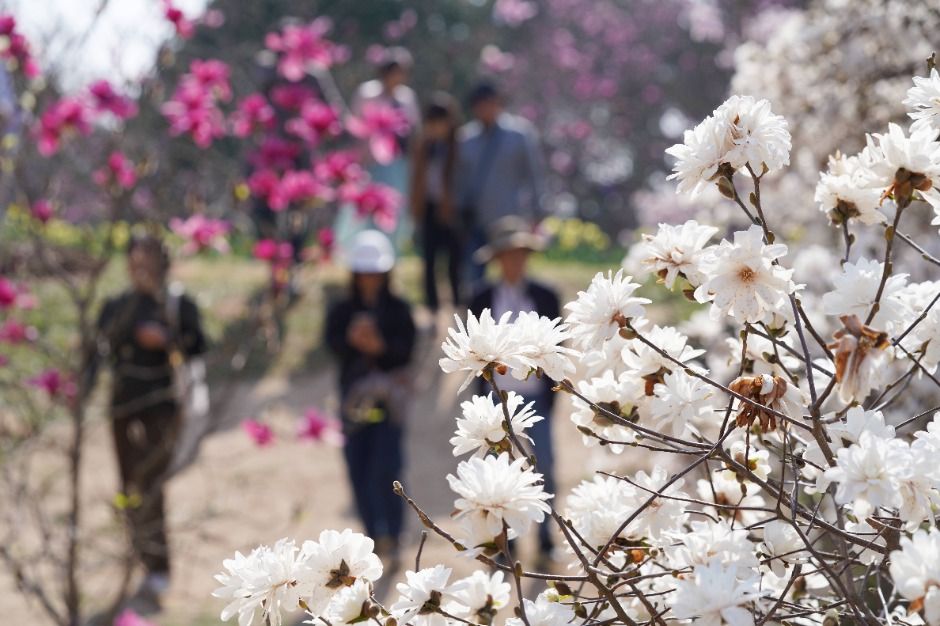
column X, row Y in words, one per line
column 143, row 340
column 372, row 335
column 511, row 242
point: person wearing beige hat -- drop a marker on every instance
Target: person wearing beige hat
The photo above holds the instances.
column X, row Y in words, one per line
column 511, row 242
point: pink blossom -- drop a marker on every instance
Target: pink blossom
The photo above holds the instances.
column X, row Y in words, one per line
column 13, row 331
column 9, row 294
column 42, row 210
column 184, row 27
column 317, row 120
column 4, row 360
column 514, row 12
column 381, row 125
column 262, row 183
column 377, row 201
column 54, row 383
column 130, row 618
column 326, row 238
column 276, row 252
column 60, row 119
column 213, row 18
column 259, row 432
column 119, row 171
column 300, row 47
column 317, row 426
column 253, row 113
column 338, row 167
column 296, row 186
column 212, row 74
column 275, row 153
column 192, row 110
column 292, row 97
column 106, row 100
column 375, row 54
column 201, row 233
column 17, row 47
column 495, row 60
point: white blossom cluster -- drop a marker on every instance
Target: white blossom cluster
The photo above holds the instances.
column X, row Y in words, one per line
column 796, row 482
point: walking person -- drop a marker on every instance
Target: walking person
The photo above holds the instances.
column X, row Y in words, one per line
column 432, row 196
column 499, row 169
column 372, row 335
column 144, row 335
column 511, row 242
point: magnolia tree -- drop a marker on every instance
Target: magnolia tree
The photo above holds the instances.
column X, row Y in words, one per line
column 796, row 485
column 72, row 190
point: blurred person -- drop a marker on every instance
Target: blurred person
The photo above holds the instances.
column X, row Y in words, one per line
column 432, row 203
column 372, row 335
column 499, row 169
column 511, row 243
column 144, row 334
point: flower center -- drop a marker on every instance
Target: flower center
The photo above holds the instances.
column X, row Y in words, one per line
column 746, row 274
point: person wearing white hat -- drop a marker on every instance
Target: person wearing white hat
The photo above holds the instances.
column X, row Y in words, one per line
column 372, row 335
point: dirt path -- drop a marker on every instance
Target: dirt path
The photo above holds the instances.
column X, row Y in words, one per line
column 237, row 495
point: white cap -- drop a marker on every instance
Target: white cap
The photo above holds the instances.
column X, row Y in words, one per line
column 371, row 252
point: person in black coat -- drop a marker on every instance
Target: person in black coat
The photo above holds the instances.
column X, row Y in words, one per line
column 372, row 335
column 511, row 243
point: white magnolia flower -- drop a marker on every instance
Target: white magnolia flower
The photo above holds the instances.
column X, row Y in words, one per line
column 885, row 154
column 599, row 506
column 544, row 612
column 708, row 541
column 783, row 546
column 265, row 583
column 743, row 282
column 347, row 605
column 499, row 491
column 700, row 154
column 855, row 290
column 480, row 429
column 923, row 102
column 918, row 489
column 714, row 594
column 618, row 395
column 843, row 432
column 540, row 340
column 915, row 568
column 337, row 560
column 869, row 473
column 759, row 138
column 483, row 341
column 643, row 360
column 478, row 597
column 667, row 510
column 600, row 312
column 926, row 337
column 750, row 456
column 676, row 251
column 842, row 192
column 680, row 403
column 422, row 593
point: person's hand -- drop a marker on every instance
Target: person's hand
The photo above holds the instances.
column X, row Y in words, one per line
column 151, row 335
column 364, row 336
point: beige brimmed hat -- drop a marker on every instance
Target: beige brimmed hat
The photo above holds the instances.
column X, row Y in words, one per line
column 509, row 233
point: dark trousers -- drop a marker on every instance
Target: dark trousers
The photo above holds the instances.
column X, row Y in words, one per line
column 476, row 271
column 541, row 434
column 374, row 460
column 144, row 445
column 440, row 238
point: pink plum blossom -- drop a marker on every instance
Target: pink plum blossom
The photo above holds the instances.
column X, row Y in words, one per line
column 106, row 100
column 296, row 186
column 42, row 210
column 212, row 74
column 54, row 383
column 201, row 233
column 338, row 167
column 275, row 153
column 119, row 171
column 317, row 426
column 316, row 120
column 130, row 618
column 9, row 294
column 13, row 331
column 292, row 97
column 192, row 110
column 302, row 46
column 514, row 12
column 17, row 47
column 275, row 252
column 184, row 26
column 376, row 201
column 61, row 119
column 262, row 183
column 260, row 433
column 253, row 113
column 381, row 125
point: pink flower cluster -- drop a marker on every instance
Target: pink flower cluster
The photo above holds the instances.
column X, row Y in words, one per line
column 301, row 47
column 254, row 113
column 16, row 48
column 129, row 618
column 13, row 331
column 118, row 173
column 194, row 107
column 12, row 295
column 381, row 125
column 73, row 115
column 379, row 202
column 201, row 233
column 274, row 252
column 184, row 27
column 54, row 383
column 316, row 121
column 42, row 210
